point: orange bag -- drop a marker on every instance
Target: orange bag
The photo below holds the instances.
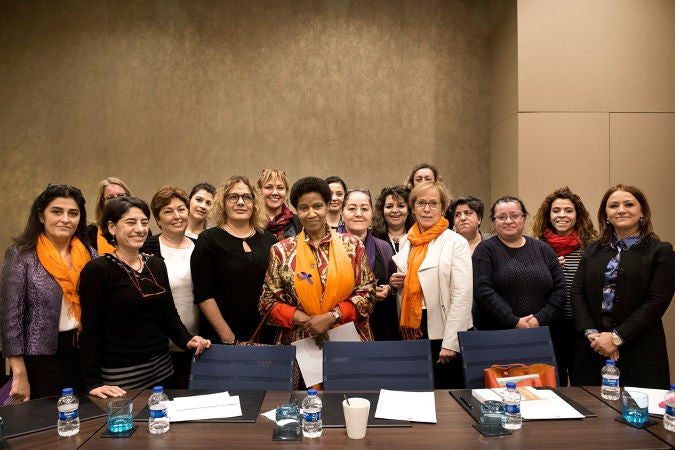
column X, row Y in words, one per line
column 546, row 375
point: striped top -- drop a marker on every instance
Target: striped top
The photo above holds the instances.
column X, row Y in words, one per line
column 569, row 269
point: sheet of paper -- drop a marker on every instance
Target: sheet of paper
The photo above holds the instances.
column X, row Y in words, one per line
column 656, row 397
column 549, row 407
column 271, row 415
column 203, row 401
column 211, row 412
column 310, row 356
column 404, row 405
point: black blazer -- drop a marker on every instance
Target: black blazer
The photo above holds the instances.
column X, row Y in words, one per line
column 152, row 247
column 644, row 289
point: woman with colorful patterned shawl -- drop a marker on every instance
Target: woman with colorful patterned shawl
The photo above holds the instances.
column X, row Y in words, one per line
column 318, row 279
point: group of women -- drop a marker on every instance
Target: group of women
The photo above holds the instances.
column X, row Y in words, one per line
column 106, row 308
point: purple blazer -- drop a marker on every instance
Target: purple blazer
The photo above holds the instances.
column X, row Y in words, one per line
column 30, row 305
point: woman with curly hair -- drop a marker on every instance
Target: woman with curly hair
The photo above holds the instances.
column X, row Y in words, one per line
column 392, row 219
column 564, row 223
column 229, row 261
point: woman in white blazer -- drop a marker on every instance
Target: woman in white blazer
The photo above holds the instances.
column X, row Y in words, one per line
column 435, row 283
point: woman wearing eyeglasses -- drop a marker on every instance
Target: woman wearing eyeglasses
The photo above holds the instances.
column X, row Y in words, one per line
column 357, row 214
column 108, row 189
column 518, row 281
column 128, row 313
column 229, row 263
column 434, row 283
column 318, row 279
column 281, row 221
column 39, row 303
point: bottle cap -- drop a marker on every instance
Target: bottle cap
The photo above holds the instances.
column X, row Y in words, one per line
column 311, row 391
column 510, row 385
column 67, row 391
column 610, row 362
column 158, row 389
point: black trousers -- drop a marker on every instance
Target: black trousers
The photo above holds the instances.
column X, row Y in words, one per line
column 446, row 376
column 49, row 374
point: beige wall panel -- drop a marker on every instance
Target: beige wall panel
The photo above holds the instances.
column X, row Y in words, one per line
column 170, row 91
column 504, row 61
column 600, row 55
column 558, row 149
column 642, row 154
column 504, row 156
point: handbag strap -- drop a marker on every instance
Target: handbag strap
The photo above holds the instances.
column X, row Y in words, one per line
column 256, row 333
column 507, row 366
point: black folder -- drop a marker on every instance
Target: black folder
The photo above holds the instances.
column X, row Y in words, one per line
column 41, row 414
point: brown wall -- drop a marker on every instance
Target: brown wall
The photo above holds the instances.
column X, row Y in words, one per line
column 595, row 105
column 158, row 92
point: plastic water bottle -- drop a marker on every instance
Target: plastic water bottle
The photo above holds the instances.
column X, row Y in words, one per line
column 610, row 389
column 69, row 420
column 511, row 398
column 158, row 422
column 669, row 415
column 312, row 425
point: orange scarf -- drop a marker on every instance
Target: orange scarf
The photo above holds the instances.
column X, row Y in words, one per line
column 102, row 245
column 339, row 283
column 67, row 279
column 412, row 296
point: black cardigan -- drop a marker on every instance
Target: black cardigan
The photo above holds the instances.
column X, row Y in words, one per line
column 644, row 289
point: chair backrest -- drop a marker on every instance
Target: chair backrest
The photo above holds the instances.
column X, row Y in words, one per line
column 244, row 367
column 482, row 349
column 398, row 365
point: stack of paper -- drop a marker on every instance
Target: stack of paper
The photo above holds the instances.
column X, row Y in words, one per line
column 535, row 403
column 402, row 405
column 201, row 407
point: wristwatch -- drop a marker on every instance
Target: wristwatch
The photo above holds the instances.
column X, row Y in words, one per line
column 616, row 340
column 336, row 315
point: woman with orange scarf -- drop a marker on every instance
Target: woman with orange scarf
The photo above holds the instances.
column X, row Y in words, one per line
column 318, row 279
column 435, row 282
column 39, row 302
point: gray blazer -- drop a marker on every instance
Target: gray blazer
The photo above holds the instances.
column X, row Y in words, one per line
column 30, row 305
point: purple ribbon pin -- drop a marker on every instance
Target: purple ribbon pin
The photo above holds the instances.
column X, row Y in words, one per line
column 306, row 276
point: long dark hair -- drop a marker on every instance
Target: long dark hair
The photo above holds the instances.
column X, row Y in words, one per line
column 379, row 224
column 28, row 239
column 583, row 226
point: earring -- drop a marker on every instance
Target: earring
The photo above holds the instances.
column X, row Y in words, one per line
column 641, row 219
column 113, row 241
column 607, row 221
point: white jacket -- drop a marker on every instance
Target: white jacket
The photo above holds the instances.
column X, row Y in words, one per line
column 446, row 276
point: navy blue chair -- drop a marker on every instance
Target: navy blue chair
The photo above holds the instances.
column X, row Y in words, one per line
column 396, row 365
column 482, row 349
column 223, row 367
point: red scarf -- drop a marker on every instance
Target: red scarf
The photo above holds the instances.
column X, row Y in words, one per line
column 276, row 226
column 562, row 245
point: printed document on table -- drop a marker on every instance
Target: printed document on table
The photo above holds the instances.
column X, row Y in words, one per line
column 541, row 404
column 403, row 405
column 310, row 356
column 656, row 396
column 232, row 409
column 203, row 401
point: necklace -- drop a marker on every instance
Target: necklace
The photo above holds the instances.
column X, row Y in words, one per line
column 247, row 235
column 168, row 242
column 140, row 262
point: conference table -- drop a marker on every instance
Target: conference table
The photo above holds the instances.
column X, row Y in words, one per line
column 452, row 430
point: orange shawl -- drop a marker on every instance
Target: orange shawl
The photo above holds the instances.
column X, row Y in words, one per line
column 412, row 296
column 314, row 298
column 67, row 279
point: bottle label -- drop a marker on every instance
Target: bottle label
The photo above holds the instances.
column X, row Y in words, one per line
column 68, row 415
column 512, row 409
column 611, row 382
column 670, row 410
column 312, row 416
column 158, row 412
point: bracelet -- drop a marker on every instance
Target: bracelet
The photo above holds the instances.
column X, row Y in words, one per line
column 234, row 341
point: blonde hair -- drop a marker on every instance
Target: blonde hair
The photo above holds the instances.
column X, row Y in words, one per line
column 269, row 174
column 427, row 186
column 218, row 215
column 98, row 212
